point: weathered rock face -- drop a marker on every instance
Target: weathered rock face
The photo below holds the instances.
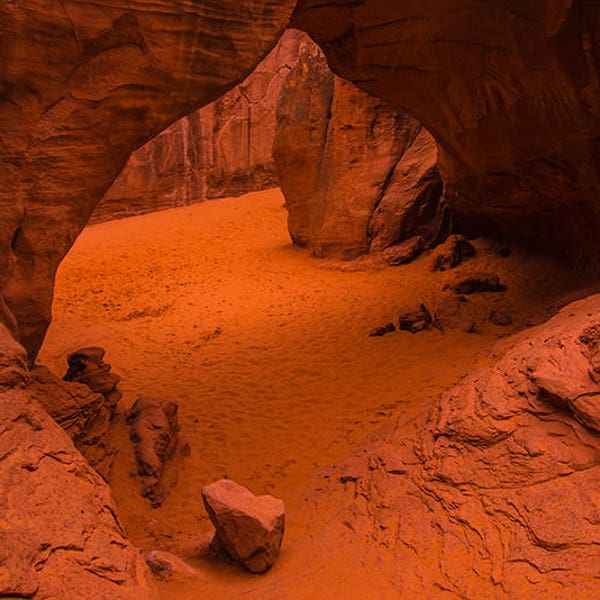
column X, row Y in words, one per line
column 492, row 491
column 154, row 433
column 85, row 84
column 249, row 528
column 82, row 413
column 60, row 537
column 357, row 174
column 224, row 149
column 509, row 90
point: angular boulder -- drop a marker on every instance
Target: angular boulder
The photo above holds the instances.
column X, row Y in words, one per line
column 87, row 366
column 250, row 528
column 415, row 320
column 452, row 253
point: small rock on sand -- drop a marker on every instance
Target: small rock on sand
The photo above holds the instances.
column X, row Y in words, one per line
column 477, row 282
column 415, row 320
column 380, row 331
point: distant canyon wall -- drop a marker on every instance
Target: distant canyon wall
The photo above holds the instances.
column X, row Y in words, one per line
column 223, row 149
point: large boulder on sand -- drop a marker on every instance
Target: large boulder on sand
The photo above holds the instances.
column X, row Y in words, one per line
column 250, row 528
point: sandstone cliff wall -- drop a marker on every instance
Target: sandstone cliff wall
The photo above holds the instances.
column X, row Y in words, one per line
column 223, row 149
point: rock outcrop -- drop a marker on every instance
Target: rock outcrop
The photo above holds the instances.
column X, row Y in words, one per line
column 117, row 73
column 154, row 433
column 223, row 149
column 87, row 366
column 491, row 491
column 84, row 414
column 358, row 175
column 60, row 537
column 510, row 90
column 249, row 528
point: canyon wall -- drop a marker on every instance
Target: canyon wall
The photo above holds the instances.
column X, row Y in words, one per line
column 508, row 89
column 489, row 492
column 223, row 149
column 357, row 173
column 83, row 84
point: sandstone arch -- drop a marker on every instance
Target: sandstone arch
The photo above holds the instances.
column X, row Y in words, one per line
column 509, row 89
column 82, row 85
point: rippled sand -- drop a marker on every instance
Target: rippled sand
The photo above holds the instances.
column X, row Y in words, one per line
column 266, row 351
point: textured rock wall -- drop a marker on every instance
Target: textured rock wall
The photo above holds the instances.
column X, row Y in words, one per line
column 508, row 89
column 60, row 537
column 224, row 149
column 490, row 492
column 357, row 173
column 83, row 84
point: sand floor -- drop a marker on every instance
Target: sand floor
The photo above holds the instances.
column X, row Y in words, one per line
column 266, row 351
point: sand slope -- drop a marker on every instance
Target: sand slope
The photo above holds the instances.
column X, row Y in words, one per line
column 264, row 348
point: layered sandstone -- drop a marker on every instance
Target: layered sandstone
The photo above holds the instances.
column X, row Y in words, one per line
column 358, row 174
column 508, row 89
column 223, row 149
column 60, row 536
column 85, row 84
column 489, row 492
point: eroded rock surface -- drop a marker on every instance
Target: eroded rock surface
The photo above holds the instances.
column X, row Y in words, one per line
column 509, row 90
column 224, row 149
column 250, row 528
column 491, row 491
column 154, row 433
column 83, row 85
column 82, row 413
column 87, row 366
column 358, row 175
column 60, row 537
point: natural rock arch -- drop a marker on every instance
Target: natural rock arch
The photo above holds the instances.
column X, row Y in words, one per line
column 509, row 89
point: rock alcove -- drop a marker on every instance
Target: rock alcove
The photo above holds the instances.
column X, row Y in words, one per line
column 510, row 93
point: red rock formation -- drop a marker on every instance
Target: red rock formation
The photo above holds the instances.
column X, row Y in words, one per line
column 491, row 492
column 82, row 86
column 82, row 413
column 249, row 528
column 60, row 536
column 510, row 92
column 357, row 174
column 224, row 149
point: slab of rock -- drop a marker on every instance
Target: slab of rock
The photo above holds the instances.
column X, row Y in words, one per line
column 250, row 528
column 415, row 320
column 87, row 366
column 452, row 253
column 358, row 174
column 85, row 415
column 455, row 312
column 384, row 330
column 154, row 431
column 477, row 282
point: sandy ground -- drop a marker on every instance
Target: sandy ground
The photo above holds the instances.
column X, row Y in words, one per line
column 266, row 351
